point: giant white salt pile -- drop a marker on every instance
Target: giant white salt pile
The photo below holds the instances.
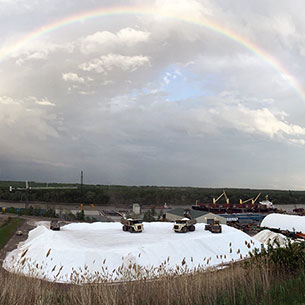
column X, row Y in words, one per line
column 267, row 236
column 82, row 252
column 284, row 222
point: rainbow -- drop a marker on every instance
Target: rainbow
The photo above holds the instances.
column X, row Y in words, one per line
column 112, row 11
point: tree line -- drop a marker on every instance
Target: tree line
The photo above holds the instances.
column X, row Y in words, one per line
column 145, row 195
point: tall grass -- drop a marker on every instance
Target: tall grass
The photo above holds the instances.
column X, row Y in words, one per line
column 8, row 228
column 263, row 280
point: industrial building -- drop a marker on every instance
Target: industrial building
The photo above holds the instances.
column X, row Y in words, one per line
column 200, row 216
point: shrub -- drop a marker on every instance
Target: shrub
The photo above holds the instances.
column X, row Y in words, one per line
column 290, row 258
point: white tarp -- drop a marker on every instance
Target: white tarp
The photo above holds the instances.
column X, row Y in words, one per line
column 266, row 236
column 104, row 250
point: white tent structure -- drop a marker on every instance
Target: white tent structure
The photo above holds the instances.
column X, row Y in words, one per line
column 284, row 222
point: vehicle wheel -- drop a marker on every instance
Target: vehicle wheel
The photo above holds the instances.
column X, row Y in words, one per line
column 192, row 228
column 124, row 228
column 184, row 230
column 131, row 229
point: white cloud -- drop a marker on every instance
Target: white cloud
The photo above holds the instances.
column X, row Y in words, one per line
column 298, row 141
column 39, row 50
column 216, row 117
column 6, row 100
column 111, row 61
column 107, row 41
column 166, row 79
column 22, row 119
column 33, row 99
column 284, row 25
column 184, row 8
column 45, row 102
column 130, row 36
column 259, row 122
column 73, row 77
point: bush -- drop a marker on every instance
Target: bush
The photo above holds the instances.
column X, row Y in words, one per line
column 49, row 213
column 291, row 257
column 80, row 215
column 150, row 215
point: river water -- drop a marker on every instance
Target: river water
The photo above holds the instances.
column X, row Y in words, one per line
column 288, row 207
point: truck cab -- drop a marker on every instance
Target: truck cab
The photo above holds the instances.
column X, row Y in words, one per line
column 54, row 225
column 184, row 225
column 132, row 225
column 213, row 225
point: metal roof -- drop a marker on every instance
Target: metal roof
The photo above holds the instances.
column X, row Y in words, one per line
column 181, row 211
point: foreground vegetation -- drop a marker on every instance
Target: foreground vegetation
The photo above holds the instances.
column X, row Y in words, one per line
column 8, row 228
column 274, row 277
column 145, row 195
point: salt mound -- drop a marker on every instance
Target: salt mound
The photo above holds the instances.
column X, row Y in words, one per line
column 284, row 222
column 82, row 252
column 267, row 236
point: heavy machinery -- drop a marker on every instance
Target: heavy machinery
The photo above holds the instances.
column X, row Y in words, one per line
column 299, row 211
column 213, row 226
column 226, row 198
column 247, row 206
column 222, row 194
column 184, row 225
column 54, row 225
column 250, row 199
column 132, row 225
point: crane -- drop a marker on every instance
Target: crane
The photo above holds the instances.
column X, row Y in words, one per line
column 245, row 201
column 250, row 199
column 226, row 197
column 253, row 201
column 215, row 200
column 222, row 194
column 27, row 189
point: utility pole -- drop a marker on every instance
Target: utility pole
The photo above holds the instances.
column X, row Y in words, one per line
column 81, row 181
column 81, row 189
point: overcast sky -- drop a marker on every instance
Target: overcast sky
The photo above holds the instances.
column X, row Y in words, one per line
column 139, row 99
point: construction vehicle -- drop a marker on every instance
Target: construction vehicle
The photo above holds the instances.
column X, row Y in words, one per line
column 54, row 225
column 132, row 225
column 19, row 233
column 184, row 225
column 299, row 211
column 213, row 226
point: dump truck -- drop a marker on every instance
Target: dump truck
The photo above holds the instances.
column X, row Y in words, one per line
column 132, row 225
column 184, row 225
column 213, row 226
column 54, row 225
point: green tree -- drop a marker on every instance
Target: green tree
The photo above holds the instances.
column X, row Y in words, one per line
column 80, row 215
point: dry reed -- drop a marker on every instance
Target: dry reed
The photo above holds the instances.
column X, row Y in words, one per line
column 223, row 286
